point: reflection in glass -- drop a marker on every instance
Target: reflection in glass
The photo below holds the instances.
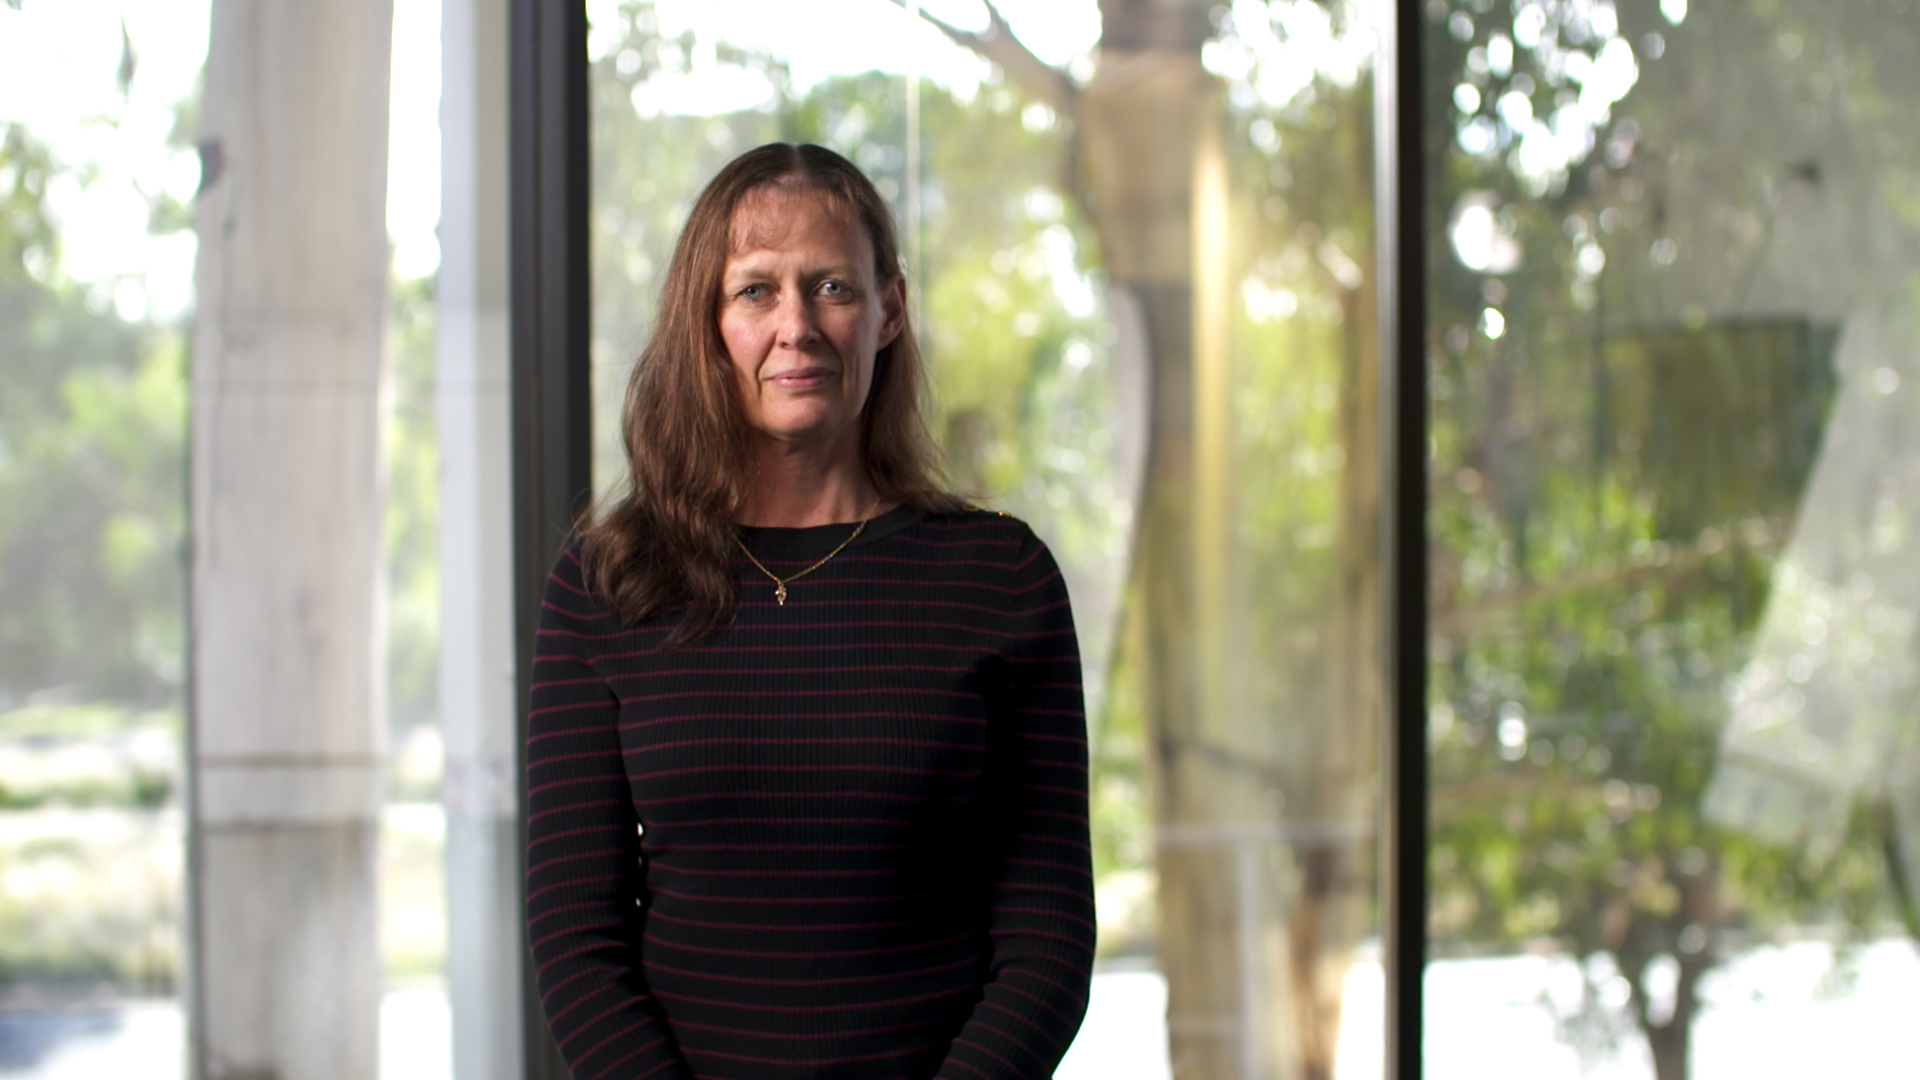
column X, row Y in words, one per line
column 1142, row 248
column 1675, row 449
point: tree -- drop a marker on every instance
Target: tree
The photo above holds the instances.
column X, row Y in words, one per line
column 92, row 431
column 1626, row 433
column 1258, row 688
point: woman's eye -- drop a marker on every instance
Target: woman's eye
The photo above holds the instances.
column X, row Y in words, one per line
column 752, row 292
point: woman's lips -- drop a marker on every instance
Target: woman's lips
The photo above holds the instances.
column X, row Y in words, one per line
column 802, row 379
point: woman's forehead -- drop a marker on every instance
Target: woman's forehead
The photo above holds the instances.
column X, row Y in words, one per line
column 764, row 217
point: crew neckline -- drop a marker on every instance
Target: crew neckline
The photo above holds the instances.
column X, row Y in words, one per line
column 813, row 541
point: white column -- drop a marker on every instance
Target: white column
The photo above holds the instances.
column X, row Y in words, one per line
column 484, row 955
column 288, row 495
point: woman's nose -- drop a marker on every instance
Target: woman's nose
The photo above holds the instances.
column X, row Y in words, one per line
column 796, row 327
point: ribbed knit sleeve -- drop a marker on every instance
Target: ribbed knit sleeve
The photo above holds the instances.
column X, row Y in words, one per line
column 1041, row 918
column 583, row 880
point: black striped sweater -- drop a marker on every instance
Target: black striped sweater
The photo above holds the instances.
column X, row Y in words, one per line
column 846, row 839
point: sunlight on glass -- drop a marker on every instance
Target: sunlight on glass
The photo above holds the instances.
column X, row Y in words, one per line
column 1481, row 241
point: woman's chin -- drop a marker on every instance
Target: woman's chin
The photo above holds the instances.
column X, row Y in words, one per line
column 805, row 427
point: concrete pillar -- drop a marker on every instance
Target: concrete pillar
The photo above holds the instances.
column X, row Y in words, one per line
column 288, row 493
column 484, row 954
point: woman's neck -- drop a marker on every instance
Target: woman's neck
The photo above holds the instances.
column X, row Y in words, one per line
column 795, row 489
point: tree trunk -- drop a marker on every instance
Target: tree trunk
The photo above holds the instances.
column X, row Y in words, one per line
column 1147, row 124
column 1647, row 937
column 1254, row 977
column 1254, row 980
column 1331, row 910
column 1669, row 1045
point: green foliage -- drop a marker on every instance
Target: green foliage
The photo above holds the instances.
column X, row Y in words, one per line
column 92, row 471
column 31, row 246
column 1302, row 342
column 90, row 907
column 91, row 849
column 1616, row 474
column 413, row 512
column 93, row 425
column 99, row 755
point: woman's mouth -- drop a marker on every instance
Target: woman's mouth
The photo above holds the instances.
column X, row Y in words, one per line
column 801, row 380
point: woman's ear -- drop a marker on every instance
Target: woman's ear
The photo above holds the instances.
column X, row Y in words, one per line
column 893, row 307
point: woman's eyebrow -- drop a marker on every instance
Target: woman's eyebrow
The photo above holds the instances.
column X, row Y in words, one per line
column 754, row 268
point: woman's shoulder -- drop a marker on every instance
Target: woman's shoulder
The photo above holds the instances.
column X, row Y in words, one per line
column 1003, row 558
column 982, row 536
column 575, row 594
column 570, row 566
column 968, row 521
column 568, row 585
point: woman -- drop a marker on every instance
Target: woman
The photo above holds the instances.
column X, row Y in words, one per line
column 807, row 763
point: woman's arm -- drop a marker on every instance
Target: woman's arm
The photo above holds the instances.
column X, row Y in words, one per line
column 1041, row 918
column 583, row 877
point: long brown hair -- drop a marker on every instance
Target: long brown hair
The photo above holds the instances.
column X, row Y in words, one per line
column 668, row 539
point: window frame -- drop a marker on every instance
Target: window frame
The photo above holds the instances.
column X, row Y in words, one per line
column 549, row 381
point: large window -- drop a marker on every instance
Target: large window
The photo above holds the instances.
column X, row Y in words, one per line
column 100, row 107
column 1670, row 330
column 1672, row 337
column 1671, row 315
column 1141, row 259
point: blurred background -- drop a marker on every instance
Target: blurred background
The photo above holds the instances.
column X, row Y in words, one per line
column 1673, row 294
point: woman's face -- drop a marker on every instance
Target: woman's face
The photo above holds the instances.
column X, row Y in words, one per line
column 803, row 313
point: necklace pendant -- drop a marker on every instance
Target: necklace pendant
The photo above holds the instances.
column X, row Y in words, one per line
column 780, row 593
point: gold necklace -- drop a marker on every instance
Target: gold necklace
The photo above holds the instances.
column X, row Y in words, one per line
column 779, row 584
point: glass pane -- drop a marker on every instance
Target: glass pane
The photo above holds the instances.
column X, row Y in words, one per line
column 1266, row 785
column 97, row 176
column 415, row 1014
column 1145, row 284
column 1676, row 458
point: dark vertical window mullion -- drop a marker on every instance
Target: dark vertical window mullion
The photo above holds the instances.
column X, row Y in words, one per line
column 550, row 378
column 1400, row 170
